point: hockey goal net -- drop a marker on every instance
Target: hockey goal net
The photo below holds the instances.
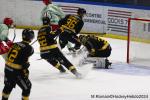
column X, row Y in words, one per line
column 138, row 45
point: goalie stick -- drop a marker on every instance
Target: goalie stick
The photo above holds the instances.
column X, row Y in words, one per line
column 76, row 52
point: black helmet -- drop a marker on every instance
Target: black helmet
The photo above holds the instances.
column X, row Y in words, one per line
column 27, row 35
column 83, row 39
column 81, row 11
column 46, row 20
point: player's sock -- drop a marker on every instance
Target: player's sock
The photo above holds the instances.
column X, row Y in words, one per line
column 62, row 70
column 5, row 96
column 25, row 98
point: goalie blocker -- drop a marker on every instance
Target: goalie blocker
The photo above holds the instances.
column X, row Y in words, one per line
column 98, row 50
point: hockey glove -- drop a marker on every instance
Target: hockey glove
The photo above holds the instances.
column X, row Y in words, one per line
column 92, row 52
column 26, row 65
column 3, row 49
column 25, row 73
column 9, row 43
column 61, row 29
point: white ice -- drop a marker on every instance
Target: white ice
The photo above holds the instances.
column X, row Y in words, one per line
column 48, row 84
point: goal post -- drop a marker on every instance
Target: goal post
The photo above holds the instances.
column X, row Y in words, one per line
column 138, row 41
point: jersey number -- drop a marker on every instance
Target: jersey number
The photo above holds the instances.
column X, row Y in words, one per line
column 13, row 55
column 42, row 41
column 71, row 23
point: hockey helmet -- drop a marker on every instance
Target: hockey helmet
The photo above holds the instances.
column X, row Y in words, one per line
column 46, row 20
column 27, row 35
column 8, row 21
column 81, row 11
column 83, row 39
column 46, row 2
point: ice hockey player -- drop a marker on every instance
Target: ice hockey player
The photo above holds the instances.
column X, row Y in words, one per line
column 5, row 43
column 98, row 49
column 50, row 51
column 55, row 13
column 52, row 11
column 17, row 64
column 72, row 25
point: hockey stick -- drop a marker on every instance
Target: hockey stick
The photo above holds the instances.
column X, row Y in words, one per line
column 14, row 34
column 33, row 42
column 37, row 40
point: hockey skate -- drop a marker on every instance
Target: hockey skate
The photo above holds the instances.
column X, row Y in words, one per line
column 71, row 49
column 62, row 71
column 107, row 64
column 77, row 74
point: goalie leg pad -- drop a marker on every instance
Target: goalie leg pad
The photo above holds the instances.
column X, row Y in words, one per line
column 98, row 62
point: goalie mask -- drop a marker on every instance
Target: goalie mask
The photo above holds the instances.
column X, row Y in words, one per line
column 27, row 35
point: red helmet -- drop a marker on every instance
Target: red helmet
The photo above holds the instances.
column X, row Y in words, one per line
column 8, row 21
column 46, row 2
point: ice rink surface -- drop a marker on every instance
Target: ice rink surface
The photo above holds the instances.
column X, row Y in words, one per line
column 121, row 82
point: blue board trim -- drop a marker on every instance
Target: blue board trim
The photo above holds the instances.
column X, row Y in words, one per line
column 109, row 4
column 103, row 4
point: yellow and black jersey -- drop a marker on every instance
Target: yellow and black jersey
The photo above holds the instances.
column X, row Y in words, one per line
column 18, row 55
column 97, row 43
column 46, row 38
column 72, row 23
